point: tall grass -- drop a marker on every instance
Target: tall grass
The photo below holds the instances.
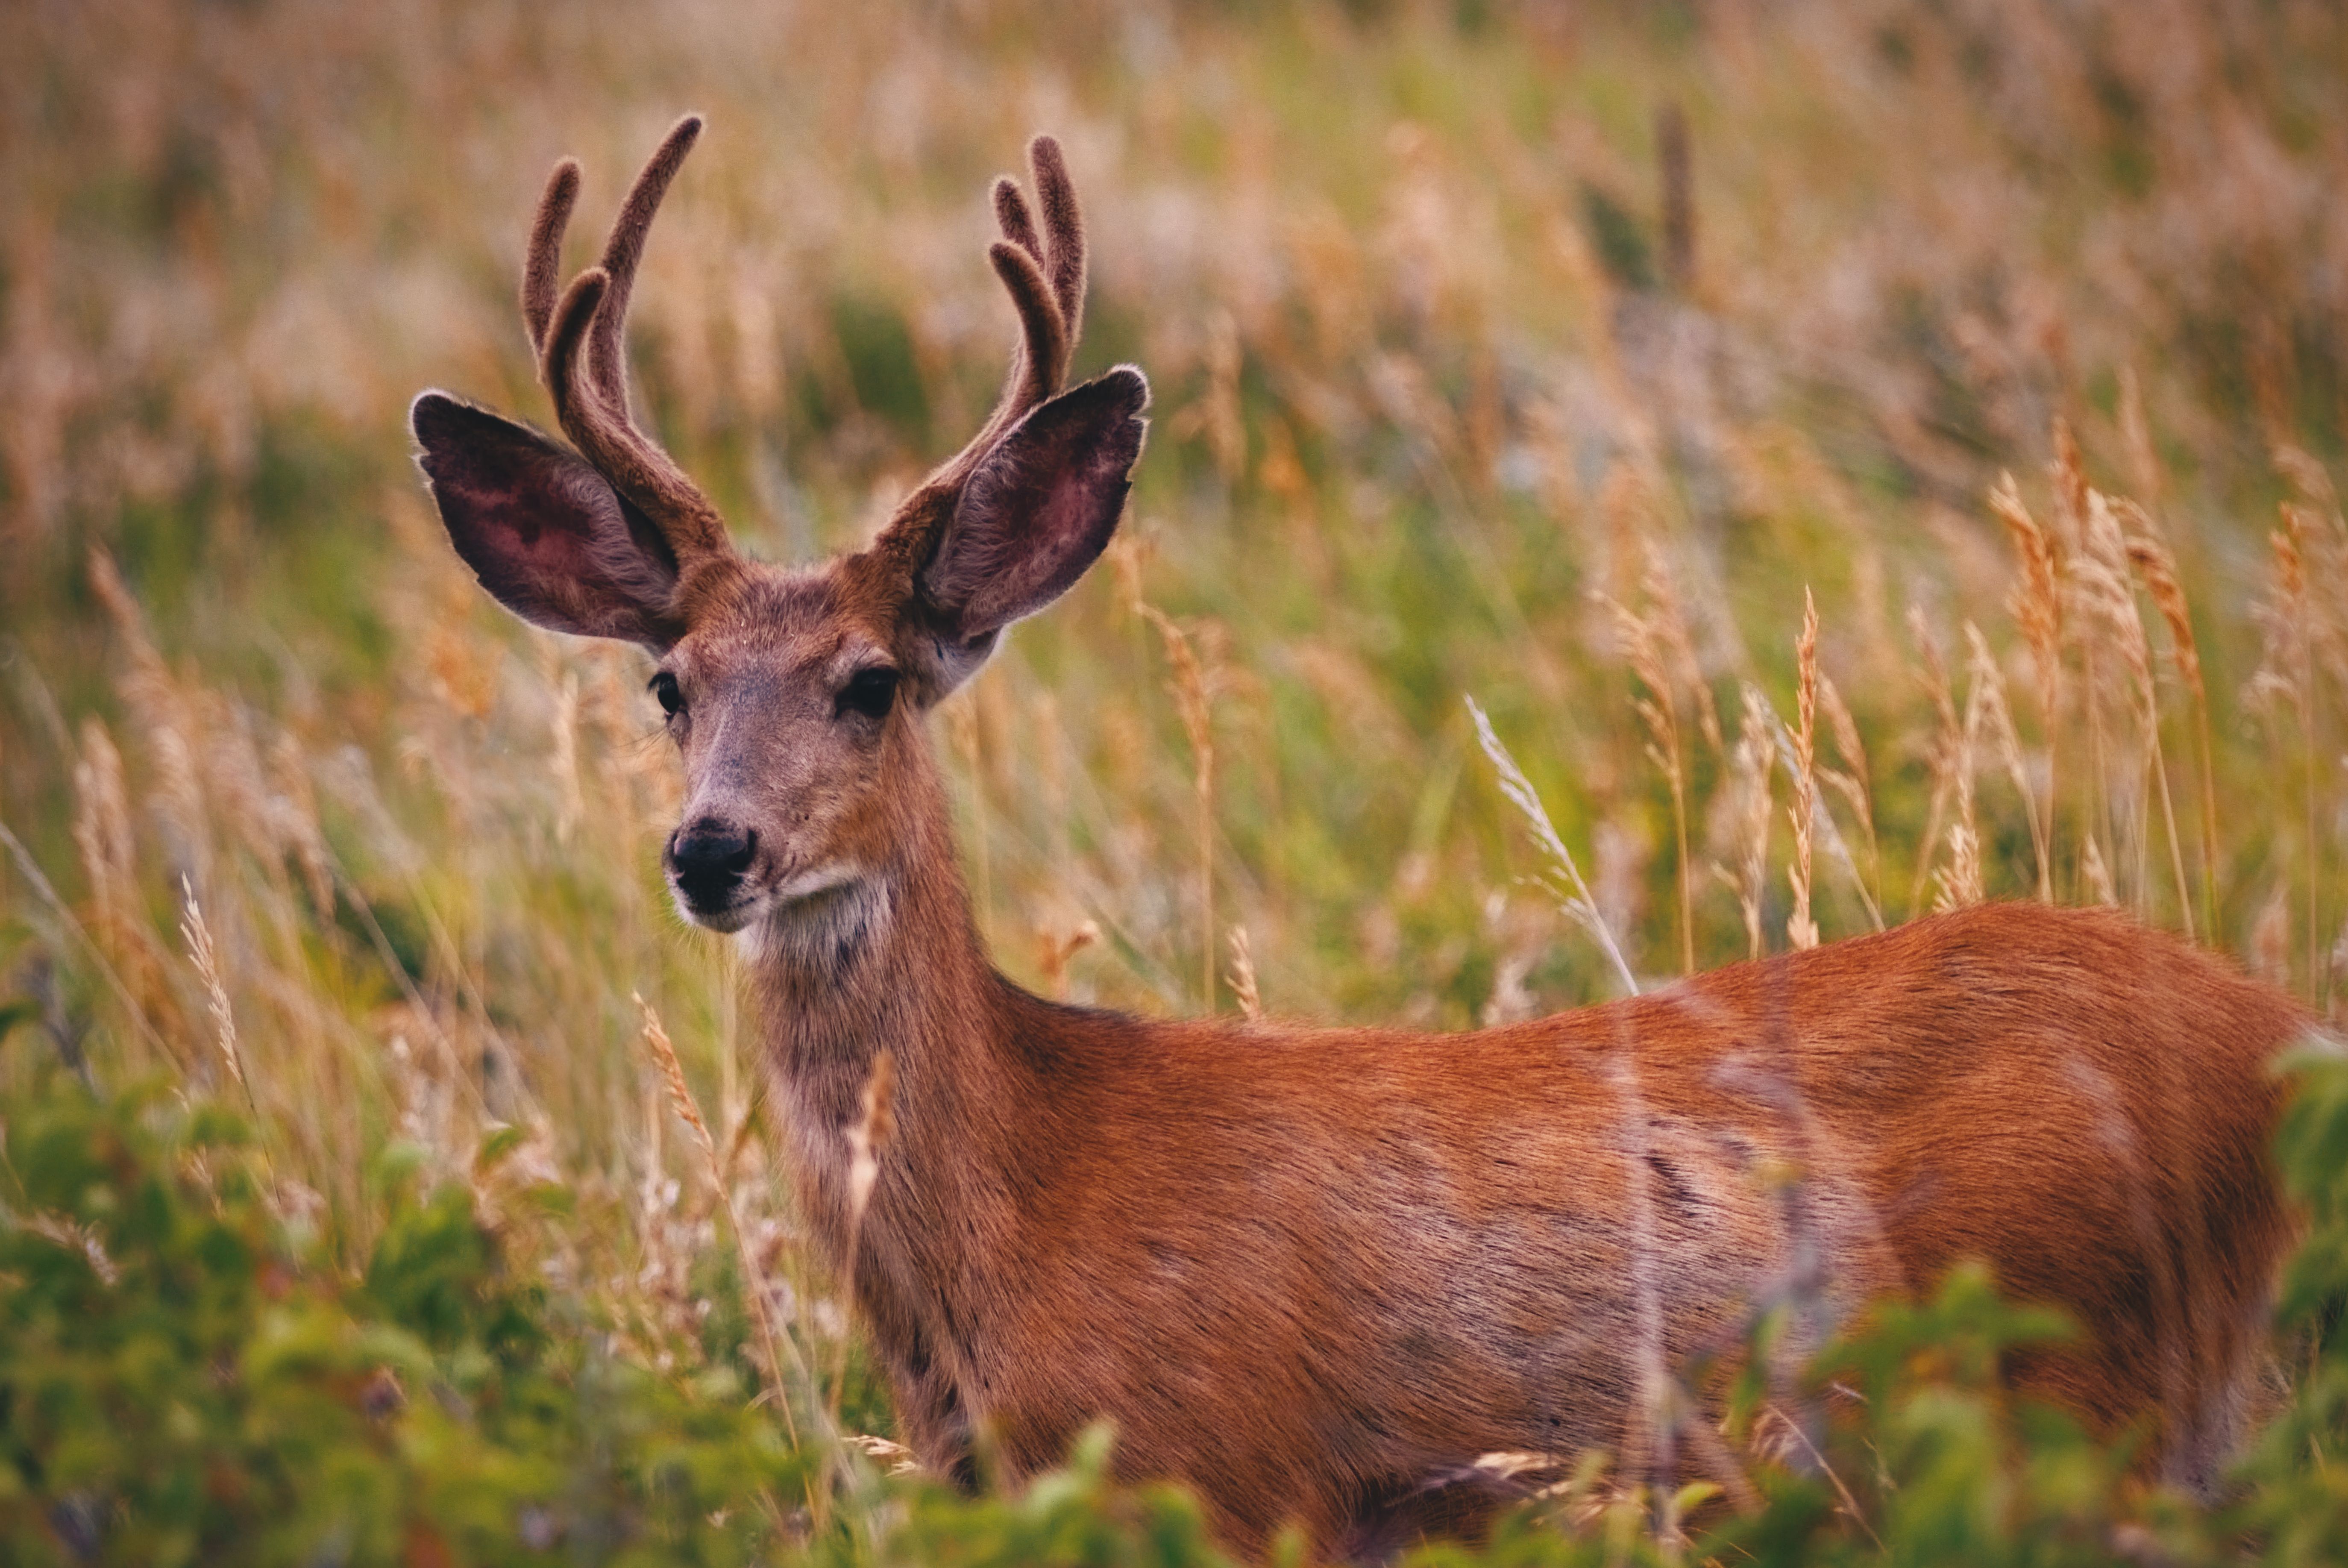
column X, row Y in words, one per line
column 1544, row 357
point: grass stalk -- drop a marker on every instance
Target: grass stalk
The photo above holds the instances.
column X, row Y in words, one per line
column 1658, row 710
column 1564, row 874
column 1801, row 930
column 772, row 1343
column 2036, row 603
column 1191, row 700
column 2158, row 569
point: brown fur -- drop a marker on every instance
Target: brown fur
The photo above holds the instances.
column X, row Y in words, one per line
column 1308, row 1271
column 1316, row 1273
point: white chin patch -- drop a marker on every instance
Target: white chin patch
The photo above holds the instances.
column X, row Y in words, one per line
column 779, row 901
column 798, row 923
column 823, row 879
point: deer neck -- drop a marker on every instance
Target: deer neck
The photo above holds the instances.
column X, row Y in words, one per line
column 892, row 963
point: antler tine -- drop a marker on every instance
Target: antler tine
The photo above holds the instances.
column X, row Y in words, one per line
column 565, row 335
column 541, row 273
column 1063, row 233
column 1058, row 251
column 581, row 354
column 1044, row 272
column 1042, row 357
column 1011, row 216
column 635, row 465
column 606, row 347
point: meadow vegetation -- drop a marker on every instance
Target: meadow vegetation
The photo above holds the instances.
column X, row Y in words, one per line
column 1630, row 487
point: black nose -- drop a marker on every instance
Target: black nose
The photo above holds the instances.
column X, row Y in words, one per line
column 707, row 858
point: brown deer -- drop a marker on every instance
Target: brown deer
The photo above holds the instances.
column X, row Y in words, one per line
column 1316, row 1273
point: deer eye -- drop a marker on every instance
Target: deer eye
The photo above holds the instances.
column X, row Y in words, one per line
column 663, row 689
column 870, row 692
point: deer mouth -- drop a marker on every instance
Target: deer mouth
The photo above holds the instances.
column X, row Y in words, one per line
column 739, row 905
column 724, row 909
column 727, row 918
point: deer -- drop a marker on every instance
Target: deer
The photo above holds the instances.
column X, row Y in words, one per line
column 1317, row 1274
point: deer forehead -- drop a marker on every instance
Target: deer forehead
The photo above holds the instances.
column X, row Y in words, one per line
column 780, row 622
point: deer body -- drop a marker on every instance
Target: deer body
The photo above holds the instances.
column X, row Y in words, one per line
column 1316, row 1273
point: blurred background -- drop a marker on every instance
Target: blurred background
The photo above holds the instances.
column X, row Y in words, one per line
column 1542, row 355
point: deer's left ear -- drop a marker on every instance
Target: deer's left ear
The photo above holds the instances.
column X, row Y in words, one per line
column 542, row 530
column 1038, row 510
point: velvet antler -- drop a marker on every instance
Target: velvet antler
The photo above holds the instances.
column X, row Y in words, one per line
column 579, row 341
column 1046, row 277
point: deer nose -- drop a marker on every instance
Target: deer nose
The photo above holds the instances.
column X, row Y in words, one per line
column 707, row 858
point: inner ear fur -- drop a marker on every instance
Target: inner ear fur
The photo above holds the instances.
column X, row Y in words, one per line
column 1037, row 509
column 544, row 533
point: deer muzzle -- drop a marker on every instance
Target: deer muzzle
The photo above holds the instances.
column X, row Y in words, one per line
column 707, row 860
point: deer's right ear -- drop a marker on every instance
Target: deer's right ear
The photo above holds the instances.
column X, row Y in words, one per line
column 546, row 535
column 1036, row 513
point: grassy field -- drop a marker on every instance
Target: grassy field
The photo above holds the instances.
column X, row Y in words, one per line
column 1550, row 357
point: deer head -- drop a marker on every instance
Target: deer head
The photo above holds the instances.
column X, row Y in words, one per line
column 794, row 695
